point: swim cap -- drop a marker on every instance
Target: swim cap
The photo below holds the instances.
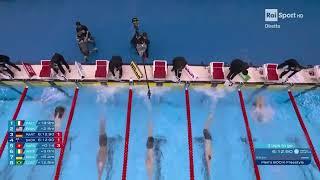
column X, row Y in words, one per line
column 150, row 142
column 59, row 110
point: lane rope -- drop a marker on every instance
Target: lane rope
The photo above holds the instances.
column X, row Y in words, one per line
column 15, row 115
column 249, row 136
column 66, row 134
column 191, row 165
column 305, row 131
column 127, row 137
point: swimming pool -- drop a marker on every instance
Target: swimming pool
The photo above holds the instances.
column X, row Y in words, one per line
column 167, row 111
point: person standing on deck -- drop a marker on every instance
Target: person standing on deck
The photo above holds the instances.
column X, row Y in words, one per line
column 4, row 63
column 102, row 152
column 237, row 66
column 82, row 29
column 84, row 39
column 291, row 65
column 140, row 41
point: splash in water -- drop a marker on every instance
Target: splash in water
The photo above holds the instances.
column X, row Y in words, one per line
column 309, row 103
column 52, row 95
column 262, row 115
column 3, row 97
column 214, row 95
column 155, row 91
column 106, row 94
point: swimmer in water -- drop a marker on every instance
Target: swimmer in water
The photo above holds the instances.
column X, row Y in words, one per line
column 150, row 152
column 102, row 152
column 208, row 142
column 259, row 103
column 58, row 115
column 261, row 112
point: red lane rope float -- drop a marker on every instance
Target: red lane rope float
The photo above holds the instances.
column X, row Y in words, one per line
column 66, row 134
column 126, row 145
column 191, row 166
column 249, row 136
column 15, row 115
column 296, row 109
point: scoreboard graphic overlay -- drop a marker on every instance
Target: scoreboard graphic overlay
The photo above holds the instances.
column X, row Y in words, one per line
column 33, row 142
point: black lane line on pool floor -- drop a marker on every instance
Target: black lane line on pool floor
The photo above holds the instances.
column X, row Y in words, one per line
column 305, row 131
column 158, row 143
column 200, row 142
column 113, row 145
column 249, row 135
column 15, row 115
column 15, row 90
column 53, row 84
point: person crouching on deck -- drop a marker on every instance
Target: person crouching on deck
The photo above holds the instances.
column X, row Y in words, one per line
column 290, row 65
column 237, row 66
column 57, row 61
column 116, row 64
column 4, row 63
column 178, row 64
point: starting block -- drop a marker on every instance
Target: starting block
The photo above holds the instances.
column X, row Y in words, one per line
column 190, row 73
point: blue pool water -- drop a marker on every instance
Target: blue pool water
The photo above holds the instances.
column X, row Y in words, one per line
column 167, row 112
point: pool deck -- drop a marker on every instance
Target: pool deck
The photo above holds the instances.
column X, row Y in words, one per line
column 202, row 72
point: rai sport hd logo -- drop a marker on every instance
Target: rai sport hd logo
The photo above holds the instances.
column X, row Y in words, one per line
column 273, row 18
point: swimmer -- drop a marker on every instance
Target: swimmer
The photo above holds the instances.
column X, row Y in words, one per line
column 259, row 103
column 58, row 115
column 258, row 108
column 150, row 152
column 102, row 152
column 208, row 142
column 260, row 111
